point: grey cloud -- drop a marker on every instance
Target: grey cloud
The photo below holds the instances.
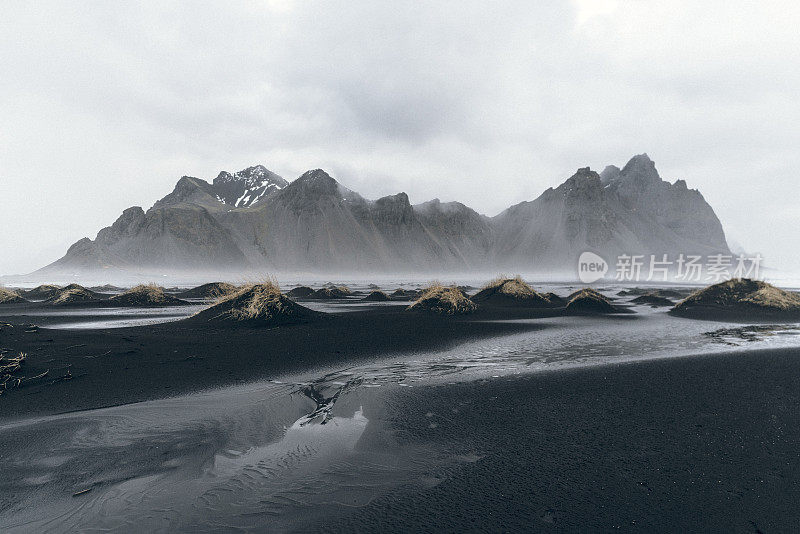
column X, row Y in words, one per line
column 107, row 104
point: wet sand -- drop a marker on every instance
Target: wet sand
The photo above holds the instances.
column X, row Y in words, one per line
column 691, row 443
column 109, row 367
column 694, row 444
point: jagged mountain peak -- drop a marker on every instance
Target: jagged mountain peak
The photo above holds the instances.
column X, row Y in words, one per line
column 188, row 183
column 436, row 207
column 254, row 173
column 399, row 198
column 609, row 174
column 317, row 183
column 432, row 205
column 315, row 176
column 188, row 189
column 640, row 167
column 583, row 179
column 248, row 186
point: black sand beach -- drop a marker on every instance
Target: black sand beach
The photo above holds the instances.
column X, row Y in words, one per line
column 694, row 444
column 109, row 367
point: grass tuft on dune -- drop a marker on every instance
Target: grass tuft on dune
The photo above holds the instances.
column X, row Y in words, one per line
column 212, row 290
column 42, row 292
column 376, row 296
column 262, row 303
column 9, row 297
column 145, row 295
column 330, row 293
column 588, row 301
column 444, row 300
column 72, row 294
column 505, row 291
column 741, row 296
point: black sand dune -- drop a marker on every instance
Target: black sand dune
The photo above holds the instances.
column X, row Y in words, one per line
column 42, row 292
column 590, row 302
column 330, row 292
column 555, row 300
column 145, row 296
column 107, row 288
column 10, row 297
column 405, row 294
column 443, row 300
column 376, row 296
column 660, row 292
column 211, row 290
column 73, row 294
column 741, row 300
column 256, row 305
column 653, row 300
column 510, row 292
column 300, row 292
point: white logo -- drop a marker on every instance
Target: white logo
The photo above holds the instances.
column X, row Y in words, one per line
column 591, row 267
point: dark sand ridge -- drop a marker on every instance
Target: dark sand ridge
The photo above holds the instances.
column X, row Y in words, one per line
column 257, row 305
column 555, row 299
column 405, row 294
column 443, row 300
column 376, row 296
column 590, row 302
column 692, row 444
column 300, row 292
column 118, row 366
column 145, row 295
column 73, row 294
column 107, row 288
column 660, row 292
column 212, row 290
column 42, row 292
column 504, row 291
column 653, row 300
column 741, row 299
column 9, row 297
column 330, row 292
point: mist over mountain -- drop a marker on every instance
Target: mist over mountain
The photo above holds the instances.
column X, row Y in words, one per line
column 628, row 211
column 255, row 221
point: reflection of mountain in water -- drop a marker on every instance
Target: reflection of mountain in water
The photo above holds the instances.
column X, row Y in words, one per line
column 306, row 440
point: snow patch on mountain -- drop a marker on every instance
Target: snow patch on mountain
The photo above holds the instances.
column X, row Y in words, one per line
column 248, row 186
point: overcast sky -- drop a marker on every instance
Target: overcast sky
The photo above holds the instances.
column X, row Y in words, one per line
column 105, row 105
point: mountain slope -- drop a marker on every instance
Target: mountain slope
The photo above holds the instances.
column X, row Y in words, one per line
column 315, row 223
column 255, row 221
column 628, row 211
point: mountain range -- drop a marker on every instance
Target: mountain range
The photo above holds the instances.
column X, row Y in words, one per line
column 256, row 221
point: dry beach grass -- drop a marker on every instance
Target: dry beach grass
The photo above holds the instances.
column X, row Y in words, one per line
column 511, row 292
column 445, row 300
column 262, row 302
column 9, row 297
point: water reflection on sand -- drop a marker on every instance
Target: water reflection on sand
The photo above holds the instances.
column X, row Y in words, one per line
column 286, row 453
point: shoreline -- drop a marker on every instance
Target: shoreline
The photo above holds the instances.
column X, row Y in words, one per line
column 92, row 368
column 115, row 366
